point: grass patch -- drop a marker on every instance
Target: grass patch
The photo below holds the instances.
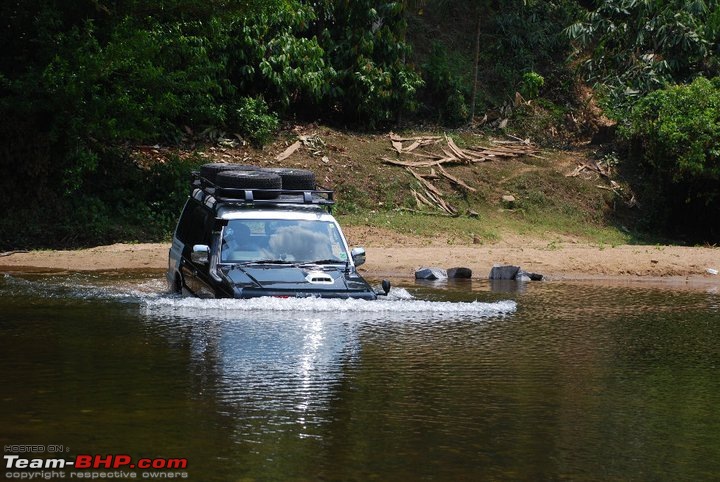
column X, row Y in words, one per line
column 491, row 226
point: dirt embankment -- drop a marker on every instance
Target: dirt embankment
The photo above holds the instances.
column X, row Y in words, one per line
column 397, row 256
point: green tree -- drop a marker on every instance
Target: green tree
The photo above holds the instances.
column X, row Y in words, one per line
column 675, row 135
column 636, row 46
column 275, row 56
column 365, row 44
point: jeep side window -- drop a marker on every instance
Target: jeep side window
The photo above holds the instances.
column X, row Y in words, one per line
column 191, row 228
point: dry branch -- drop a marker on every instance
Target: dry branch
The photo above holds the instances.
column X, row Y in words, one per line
column 412, row 146
column 434, row 193
column 396, row 138
column 590, row 166
column 455, row 180
column 421, row 200
column 412, row 164
column 428, row 185
column 427, row 156
column 289, row 151
column 456, row 150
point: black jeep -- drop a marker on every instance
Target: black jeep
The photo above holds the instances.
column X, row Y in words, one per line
column 247, row 232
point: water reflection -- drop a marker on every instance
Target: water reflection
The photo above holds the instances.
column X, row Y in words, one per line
column 281, row 362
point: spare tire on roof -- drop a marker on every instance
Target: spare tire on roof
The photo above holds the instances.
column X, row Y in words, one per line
column 229, row 182
column 294, row 179
column 210, row 171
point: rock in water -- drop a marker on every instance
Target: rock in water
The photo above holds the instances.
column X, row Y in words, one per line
column 509, row 272
column 504, row 272
column 459, row 273
column 431, row 274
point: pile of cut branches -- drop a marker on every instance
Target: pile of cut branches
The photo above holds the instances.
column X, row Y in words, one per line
column 435, row 151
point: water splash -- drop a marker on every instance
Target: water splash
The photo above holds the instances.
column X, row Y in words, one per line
column 230, row 308
column 83, row 286
column 150, row 295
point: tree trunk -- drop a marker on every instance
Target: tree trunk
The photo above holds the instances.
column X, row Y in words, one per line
column 476, row 67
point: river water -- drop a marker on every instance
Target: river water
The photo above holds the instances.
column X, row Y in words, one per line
column 449, row 382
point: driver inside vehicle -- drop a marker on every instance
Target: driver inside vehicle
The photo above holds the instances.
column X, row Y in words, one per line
column 236, row 239
column 299, row 242
column 281, row 240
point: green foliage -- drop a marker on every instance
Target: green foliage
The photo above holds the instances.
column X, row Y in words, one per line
column 679, row 130
column 676, row 135
column 165, row 190
column 637, row 46
column 86, row 79
column 254, row 120
column 365, row 45
column 272, row 57
column 531, row 84
column 527, row 37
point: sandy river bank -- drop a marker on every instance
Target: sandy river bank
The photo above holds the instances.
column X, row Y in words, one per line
column 398, row 256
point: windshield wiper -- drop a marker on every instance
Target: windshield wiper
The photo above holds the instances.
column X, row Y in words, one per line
column 325, row 261
column 270, row 261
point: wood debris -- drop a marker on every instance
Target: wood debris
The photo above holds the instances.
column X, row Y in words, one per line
column 627, row 197
column 592, row 166
column 456, row 180
column 289, row 151
column 433, row 194
column 424, row 139
column 442, row 151
column 313, row 143
column 412, row 164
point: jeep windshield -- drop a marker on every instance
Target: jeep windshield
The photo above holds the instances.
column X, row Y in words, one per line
column 277, row 241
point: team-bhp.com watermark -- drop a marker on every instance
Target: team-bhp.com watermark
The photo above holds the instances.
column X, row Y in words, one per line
column 21, row 462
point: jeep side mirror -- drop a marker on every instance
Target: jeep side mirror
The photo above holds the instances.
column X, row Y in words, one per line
column 358, row 256
column 200, row 254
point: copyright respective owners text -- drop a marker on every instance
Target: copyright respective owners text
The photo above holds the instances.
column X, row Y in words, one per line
column 53, row 462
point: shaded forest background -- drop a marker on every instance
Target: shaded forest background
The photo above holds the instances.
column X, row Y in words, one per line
column 83, row 81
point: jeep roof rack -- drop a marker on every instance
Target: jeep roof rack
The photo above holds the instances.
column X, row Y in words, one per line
column 210, row 194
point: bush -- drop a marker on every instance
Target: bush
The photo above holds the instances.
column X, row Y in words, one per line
column 254, row 121
column 675, row 136
column 531, row 84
